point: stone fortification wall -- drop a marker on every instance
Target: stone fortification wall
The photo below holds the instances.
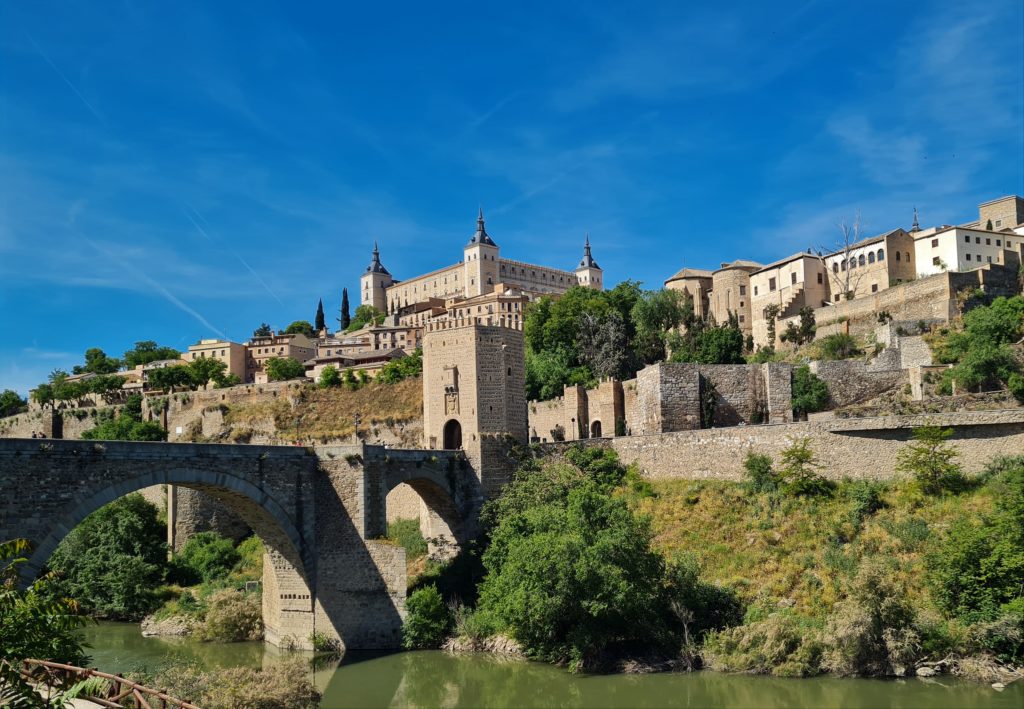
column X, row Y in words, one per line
column 857, row 448
column 932, row 299
column 852, row 381
column 579, row 413
column 630, row 410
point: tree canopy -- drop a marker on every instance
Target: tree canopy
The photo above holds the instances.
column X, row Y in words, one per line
column 301, row 327
column 365, row 315
column 97, row 362
column 148, row 351
column 11, row 403
column 281, row 368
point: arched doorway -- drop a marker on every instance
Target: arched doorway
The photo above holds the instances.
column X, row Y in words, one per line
column 452, row 435
column 595, row 429
column 430, row 505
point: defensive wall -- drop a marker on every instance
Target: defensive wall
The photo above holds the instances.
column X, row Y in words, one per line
column 863, row 448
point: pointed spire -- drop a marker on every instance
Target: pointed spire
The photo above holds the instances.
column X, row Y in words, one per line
column 375, row 265
column 587, row 260
column 481, row 237
column 916, row 227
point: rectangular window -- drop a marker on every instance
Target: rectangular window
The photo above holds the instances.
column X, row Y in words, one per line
column 742, row 318
column 874, row 287
column 990, row 259
column 977, row 240
column 755, row 290
column 820, row 278
column 743, row 290
column 999, row 242
column 741, row 303
column 999, row 222
column 988, row 242
column 792, row 278
column 771, row 284
column 967, row 238
column 967, row 256
column 935, row 243
column 935, row 261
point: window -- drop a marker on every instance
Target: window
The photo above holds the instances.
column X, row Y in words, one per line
column 988, row 242
column 755, row 290
column 935, row 243
column 999, row 222
column 998, row 242
column 771, row 284
column 936, row 260
column 907, row 255
column 874, row 287
column 842, row 264
column 881, row 254
column 853, row 263
column 871, row 256
column 977, row 240
column 742, row 318
column 861, row 260
column 990, row 259
column 792, row 278
column 743, row 290
column 820, row 277
column 835, row 268
column 967, row 238
column 967, row 256
column 897, row 255
column 742, row 303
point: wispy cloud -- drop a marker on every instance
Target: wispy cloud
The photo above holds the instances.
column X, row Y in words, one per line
column 83, row 99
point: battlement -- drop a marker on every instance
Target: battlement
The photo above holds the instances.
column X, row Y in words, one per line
column 511, row 322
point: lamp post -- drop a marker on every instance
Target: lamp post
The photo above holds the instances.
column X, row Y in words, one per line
column 356, row 421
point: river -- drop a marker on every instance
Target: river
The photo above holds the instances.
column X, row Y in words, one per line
column 437, row 679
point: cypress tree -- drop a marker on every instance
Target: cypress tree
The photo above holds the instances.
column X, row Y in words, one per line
column 319, row 321
column 346, row 317
column 988, row 226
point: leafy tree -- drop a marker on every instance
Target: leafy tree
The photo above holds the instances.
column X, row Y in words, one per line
column 42, row 394
column 300, row 327
column 655, row 314
column 771, row 312
column 35, row 622
column 982, row 352
column 810, row 394
column 263, row 331
column 206, row 556
column 346, row 318
column 799, row 471
column 930, row 459
column 349, row 380
column 114, row 559
column 105, row 384
column 148, row 351
column 169, row 378
column 97, row 362
column 603, row 346
column 709, row 345
column 365, row 315
column 548, row 373
column 402, row 368
column 206, row 369
column 428, row 620
column 11, row 403
column 281, row 368
column 329, row 377
column 759, row 474
column 318, row 321
column 127, row 426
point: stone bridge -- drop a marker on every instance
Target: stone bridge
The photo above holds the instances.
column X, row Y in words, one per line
column 320, row 512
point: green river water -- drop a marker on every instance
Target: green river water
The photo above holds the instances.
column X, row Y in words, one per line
column 437, row 679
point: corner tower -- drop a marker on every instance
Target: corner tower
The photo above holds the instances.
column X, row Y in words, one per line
column 588, row 273
column 480, row 257
column 474, row 392
column 374, row 282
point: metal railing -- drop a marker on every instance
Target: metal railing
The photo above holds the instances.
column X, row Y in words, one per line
column 115, row 692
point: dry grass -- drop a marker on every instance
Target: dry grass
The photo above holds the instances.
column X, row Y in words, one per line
column 326, row 414
column 798, row 552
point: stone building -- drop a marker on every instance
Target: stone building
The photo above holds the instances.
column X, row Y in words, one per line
column 730, row 293
column 871, row 265
column 695, row 283
column 1003, row 213
column 232, row 354
column 263, row 348
column 480, row 270
column 790, row 284
column 952, row 248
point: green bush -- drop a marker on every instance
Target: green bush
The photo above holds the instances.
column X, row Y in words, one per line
column 282, row 685
column 838, row 346
column 112, row 562
column 402, row 368
column 930, row 460
column 329, row 377
column 810, row 394
column 865, row 497
column 759, row 475
column 701, row 606
column 427, row 621
column 406, row 533
column 206, row 556
column 781, row 644
column 232, row 616
column 798, row 471
column 280, row 369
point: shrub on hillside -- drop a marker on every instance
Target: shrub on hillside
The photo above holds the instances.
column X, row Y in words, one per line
column 427, row 620
column 232, row 616
column 206, row 556
column 799, row 471
column 402, row 368
column 700, row 606
column 810, row 394
column 329, row 377
column 930, row 460
column 838, row 346
column 759, row 475
column 782, row 644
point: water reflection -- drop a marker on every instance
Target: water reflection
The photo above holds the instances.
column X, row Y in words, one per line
column 435, row 679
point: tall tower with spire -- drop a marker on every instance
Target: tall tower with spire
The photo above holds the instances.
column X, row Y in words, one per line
column 916, row 227
column 480, row 261
column 588, row 273
column 374, row 282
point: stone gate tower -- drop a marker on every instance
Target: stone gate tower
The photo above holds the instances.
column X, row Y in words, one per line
column 474, row 398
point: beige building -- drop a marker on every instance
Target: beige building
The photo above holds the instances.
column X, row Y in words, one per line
column 951, row 248
column 790, row 284
column 695, row 283
column 232, row 354
column 372, row 338
column 1003, row 213
column 731, row 293
column 871, row 265
column 479, row 272
column 261, row 349
column 370, row 362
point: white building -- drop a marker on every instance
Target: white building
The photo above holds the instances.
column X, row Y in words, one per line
column 951, row 248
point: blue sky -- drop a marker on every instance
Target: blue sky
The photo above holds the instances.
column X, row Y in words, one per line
column 171, row 171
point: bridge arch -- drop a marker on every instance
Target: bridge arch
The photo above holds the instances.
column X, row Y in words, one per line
column 289, row 564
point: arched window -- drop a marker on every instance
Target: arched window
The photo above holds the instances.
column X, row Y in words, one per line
column 860, row 260
column 871, row 257
column 881, row 254
column 907, row 254
column 595, row 429
column 897, row 255
column 835, row 268
column 842, row 264
column 853, row 263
